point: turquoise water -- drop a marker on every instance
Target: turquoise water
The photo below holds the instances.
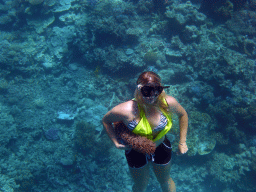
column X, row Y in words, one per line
column 65, row 63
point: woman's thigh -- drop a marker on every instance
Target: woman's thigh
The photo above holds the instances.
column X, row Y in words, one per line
column 162, row 172
column 140, row 175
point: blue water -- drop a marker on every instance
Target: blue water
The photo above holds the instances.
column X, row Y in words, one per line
column 64, row 64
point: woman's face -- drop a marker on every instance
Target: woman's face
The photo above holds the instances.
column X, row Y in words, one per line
column 150, row 92
column 150, row 100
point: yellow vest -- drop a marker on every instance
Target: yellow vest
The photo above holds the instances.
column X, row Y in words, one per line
column 144, row 129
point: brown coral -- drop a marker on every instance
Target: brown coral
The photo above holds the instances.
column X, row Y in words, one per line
column 138, row 143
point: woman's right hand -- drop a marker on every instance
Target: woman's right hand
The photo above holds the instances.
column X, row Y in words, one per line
column 122, row 147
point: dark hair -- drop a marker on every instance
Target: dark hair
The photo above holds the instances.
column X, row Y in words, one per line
column 148, row 77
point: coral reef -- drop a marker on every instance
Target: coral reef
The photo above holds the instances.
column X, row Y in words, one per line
column 184, row 13
column 87, row 143
column 221, row 9
column 150, row 57
column 222, row 168
column 201, row 140
column 52, row 134
column 243, row 22
column 64, row 64
column 228, row 170
column 35, row 2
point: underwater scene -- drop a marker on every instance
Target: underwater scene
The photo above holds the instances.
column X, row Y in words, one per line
column 65, row 63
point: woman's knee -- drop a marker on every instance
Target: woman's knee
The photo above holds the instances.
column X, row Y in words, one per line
column 162, row 172
column 173, row 186
column 140, row 184
column 139, row 187
column 140, row 177
column 168, row 185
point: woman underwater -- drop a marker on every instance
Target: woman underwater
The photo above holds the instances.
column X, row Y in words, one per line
column 149, row 115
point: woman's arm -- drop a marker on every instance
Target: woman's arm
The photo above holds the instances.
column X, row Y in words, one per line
column 176, row 108
column 114, row 115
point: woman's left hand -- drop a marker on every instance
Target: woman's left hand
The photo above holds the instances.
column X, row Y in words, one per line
column 183, row 148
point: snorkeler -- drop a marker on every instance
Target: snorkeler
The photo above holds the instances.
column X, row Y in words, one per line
column 149, row 115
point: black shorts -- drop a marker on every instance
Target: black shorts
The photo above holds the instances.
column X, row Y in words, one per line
column 162, row 156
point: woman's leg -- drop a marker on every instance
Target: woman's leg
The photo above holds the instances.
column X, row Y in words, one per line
column 140, row 177
column 162, row 173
